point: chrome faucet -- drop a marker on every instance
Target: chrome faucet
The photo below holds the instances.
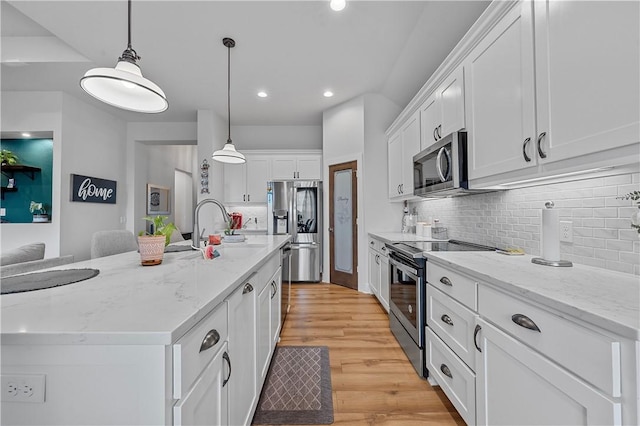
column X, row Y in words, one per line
column 195, row 236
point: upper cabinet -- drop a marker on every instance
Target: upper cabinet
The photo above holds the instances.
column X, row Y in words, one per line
column 247, row 183
column 443, row 112
column 402, row 146
column 587, row 77
column 304, row 167
column 559, row 115
column 500, row 97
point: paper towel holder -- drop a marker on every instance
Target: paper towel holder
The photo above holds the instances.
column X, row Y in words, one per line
column 545, row 262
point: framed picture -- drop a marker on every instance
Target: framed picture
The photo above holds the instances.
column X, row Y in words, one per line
column 158, row 199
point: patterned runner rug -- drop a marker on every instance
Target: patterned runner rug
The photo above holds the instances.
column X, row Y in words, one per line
column 297, row 389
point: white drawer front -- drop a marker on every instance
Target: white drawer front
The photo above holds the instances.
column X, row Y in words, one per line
column 593, row 356
column 453, row 323
column 460, row 384
column 264, row 274
column 460, row 287
column 188, row 358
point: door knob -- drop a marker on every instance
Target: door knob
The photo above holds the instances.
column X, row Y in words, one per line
column 330, row 229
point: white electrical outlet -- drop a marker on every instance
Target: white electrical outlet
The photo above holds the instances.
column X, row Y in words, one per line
column 3, row 211
column 22, row 387
column 566, row 231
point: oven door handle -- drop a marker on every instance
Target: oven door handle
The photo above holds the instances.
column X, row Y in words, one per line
column 412, row 272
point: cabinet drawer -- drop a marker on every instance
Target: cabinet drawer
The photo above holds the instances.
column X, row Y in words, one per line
column 266, row 271
column 460, row 287
column 460, row 383
column 190, row 353
column 453, row 323
column 591, row 355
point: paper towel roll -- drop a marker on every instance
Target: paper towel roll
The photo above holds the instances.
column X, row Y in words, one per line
column 550, row 234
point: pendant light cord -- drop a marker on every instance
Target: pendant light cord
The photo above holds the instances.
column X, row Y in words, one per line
column 229, row 90
column 129, row 29
column 129, row 54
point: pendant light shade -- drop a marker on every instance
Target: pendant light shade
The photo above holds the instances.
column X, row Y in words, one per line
column 228, row 153
column 124, row 86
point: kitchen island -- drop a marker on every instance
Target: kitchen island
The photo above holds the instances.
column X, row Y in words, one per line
column 111, row 349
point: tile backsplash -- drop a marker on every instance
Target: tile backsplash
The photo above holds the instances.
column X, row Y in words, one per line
column 253, row 215
column 602, row 233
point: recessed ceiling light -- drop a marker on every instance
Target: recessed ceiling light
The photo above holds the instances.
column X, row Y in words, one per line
column 262, row 94
column 328, row 93
column 338, row 5
column 26, row 135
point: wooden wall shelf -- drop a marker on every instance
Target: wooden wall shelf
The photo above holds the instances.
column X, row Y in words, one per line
column 9, row 171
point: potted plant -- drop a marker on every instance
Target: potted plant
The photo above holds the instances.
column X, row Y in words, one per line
column 8, row 158
column 151, row 244
column 39, row 212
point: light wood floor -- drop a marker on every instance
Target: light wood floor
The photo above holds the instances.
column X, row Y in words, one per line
column 373, row 381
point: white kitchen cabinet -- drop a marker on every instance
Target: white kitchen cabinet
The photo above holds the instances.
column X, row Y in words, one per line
column 443, row 112
column 379, row 271
column 544, row 96
column 514, row 383
column 206, row 403
column 402, row 147
column 587, row 76
column 276, row 307
column 304, row 167
column 247, row 182
column 264, row 332
column 500, row 97
column 243, row 389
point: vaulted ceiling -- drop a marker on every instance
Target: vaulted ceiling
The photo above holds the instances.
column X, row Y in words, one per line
column 293, row 50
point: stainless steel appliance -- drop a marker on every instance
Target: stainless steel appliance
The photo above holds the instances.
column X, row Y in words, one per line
column 407, row 289
column 295, row 208
column 285, row 257
column 441, row 169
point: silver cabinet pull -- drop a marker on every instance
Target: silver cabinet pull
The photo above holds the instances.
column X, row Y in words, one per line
column 446, row 319
column 371, row 242
column 475, row 337
column 446, row 281
column 524, row 150
column 446, row 371
column 275, row 289
column 439, row 130
column 210, row 340
column 244, row 197
column 377, row 259
column 225, row 356
column 248, row 288
column 525, row 321
column 540, row 152
column 248, row 197
column 435, row 135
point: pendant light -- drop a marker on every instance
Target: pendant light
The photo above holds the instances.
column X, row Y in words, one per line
column 124, row 86
column 228, row 153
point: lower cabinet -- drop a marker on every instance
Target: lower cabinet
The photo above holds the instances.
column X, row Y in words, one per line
column 206, row 403
column 268, row 330
column 515, row 383
column 504, row 360
column 276, row 296
column 243, row 390
column 379, row 271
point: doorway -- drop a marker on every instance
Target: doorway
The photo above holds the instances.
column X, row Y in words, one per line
column 183, row 201
column 343, row 232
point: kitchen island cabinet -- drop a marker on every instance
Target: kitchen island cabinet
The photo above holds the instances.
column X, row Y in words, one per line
column 138, row 345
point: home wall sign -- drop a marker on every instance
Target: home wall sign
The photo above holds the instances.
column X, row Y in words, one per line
column 87, row 189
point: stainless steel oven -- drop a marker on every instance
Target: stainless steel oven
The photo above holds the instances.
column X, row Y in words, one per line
column 407, row 302
column 407, row 288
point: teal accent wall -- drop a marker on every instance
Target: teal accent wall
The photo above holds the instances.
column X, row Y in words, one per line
column 35, row 153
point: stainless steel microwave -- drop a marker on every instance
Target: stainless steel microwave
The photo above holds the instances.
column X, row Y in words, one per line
column 441, row 169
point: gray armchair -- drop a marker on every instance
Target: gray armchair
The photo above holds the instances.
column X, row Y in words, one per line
column 106, row 243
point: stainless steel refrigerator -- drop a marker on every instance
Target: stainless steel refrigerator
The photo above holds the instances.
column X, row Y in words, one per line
column 295, row 208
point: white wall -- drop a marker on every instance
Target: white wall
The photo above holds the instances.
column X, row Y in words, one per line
column 93, row 145
column 276, row 137
column 35, row 111
column 354, row 130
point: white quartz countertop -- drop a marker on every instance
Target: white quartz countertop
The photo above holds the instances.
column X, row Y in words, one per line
column 132, row 304
column 607, row 299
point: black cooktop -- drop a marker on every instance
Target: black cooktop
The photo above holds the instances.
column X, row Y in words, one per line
column 415, row 249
